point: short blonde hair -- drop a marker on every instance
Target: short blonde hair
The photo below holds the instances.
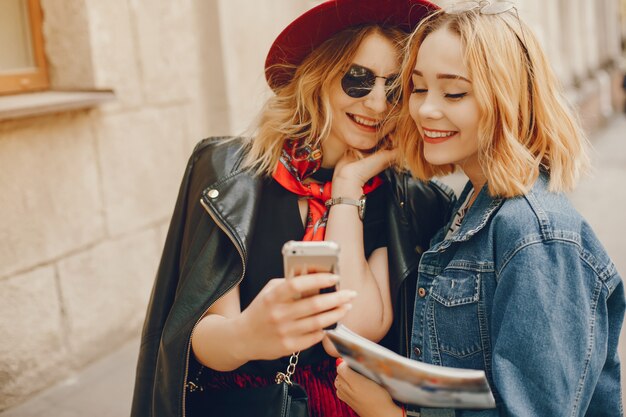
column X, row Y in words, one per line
column 301, row 108
column 525, row 125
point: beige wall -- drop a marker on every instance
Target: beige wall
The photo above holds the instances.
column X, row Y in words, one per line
column 86, row 196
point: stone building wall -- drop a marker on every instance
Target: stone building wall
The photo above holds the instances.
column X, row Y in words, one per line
column 85, row 196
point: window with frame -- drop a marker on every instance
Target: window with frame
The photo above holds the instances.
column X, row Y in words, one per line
column 22, row 59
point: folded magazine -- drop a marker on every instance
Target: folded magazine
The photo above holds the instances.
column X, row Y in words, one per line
column 409, row 381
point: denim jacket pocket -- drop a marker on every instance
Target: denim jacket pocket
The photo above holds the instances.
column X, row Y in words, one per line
column 455, row 316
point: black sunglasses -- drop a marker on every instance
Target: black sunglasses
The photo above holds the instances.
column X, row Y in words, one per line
column 359, row 81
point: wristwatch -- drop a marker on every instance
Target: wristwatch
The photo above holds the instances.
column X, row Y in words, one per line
column 360, row 203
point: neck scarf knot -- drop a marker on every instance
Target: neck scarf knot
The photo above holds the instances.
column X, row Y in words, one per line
column 298, row 161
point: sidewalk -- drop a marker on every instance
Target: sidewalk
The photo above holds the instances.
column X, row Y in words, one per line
column 104, row 389
column 601, row 196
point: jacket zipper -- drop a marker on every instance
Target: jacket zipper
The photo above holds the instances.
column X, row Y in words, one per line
column 243, row 263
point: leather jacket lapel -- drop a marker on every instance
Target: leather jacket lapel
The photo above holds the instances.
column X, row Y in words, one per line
column 233, row 203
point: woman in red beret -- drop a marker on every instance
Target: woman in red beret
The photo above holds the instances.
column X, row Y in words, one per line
column 315, row 169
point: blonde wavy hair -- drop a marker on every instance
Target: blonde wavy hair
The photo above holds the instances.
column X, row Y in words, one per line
column 301, row 108
column 525, row 123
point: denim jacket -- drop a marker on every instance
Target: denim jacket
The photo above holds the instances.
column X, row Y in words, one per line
column 524, row 291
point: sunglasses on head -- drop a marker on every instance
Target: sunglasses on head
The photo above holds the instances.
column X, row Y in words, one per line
column 359, row 81
column 486, row 7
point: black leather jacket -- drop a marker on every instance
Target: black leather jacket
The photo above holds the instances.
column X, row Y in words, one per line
column 205, row 255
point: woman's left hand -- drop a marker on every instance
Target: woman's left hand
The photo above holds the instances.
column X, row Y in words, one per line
column 353, row 172
column 363, row 395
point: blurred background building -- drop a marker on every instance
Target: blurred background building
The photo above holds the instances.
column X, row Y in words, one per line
column 101, row 103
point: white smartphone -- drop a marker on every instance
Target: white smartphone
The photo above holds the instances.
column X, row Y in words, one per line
column 307, row 257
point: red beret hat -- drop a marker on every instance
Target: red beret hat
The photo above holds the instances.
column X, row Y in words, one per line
column 321, row 22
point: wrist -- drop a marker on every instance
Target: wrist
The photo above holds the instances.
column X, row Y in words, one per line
column 359, row 203
column 347, row 188
column 353, row 193
column 390, row 408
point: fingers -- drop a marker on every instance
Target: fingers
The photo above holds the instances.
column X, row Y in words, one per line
column 329, row 347
column 290, row 319
column 366, row 168
column 344, row 390
column 311, row 314
column 286, row 345
column 291, row 289
column 303, row 342
column 342, row 377
column 278, row 323
column 381, row 159
column 345, row 372
column 322, row 302
column 318, row 321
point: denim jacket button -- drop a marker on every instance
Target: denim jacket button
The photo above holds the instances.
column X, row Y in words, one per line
column 417, row 351
column 421, row 292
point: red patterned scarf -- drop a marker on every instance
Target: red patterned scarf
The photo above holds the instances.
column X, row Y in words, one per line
column 298, row 161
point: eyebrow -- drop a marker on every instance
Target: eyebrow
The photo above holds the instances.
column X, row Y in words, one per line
column 444, row 76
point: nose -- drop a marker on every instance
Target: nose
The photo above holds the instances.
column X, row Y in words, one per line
column 376, row 100
column 429, row 108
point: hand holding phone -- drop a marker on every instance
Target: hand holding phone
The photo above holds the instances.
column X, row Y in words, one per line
column 309, row 257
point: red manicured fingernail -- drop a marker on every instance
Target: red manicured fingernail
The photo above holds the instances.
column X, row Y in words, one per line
column 338, row 361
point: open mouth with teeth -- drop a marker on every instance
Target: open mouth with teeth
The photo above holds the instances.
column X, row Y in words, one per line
column 365, row 122
column 438, row 136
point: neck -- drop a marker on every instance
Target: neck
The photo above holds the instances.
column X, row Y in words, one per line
column 478, row 181
column 331, row 153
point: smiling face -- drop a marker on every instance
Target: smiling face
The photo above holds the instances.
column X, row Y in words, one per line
column 443, row 104
column 357, row 122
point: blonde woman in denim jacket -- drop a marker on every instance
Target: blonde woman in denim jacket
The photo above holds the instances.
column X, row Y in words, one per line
column 517, row 284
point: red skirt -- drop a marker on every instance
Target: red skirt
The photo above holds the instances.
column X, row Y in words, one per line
column 318, row 381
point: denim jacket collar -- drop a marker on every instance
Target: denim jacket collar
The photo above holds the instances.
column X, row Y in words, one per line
column 475, row 218
column 485, row 206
